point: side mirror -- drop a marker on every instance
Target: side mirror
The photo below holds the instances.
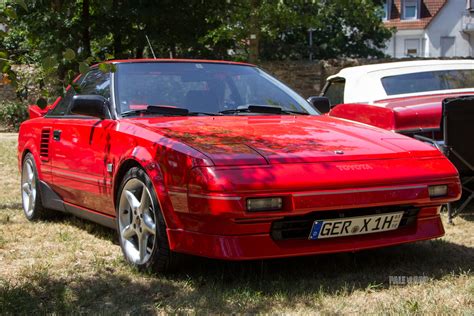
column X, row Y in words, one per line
column 90, row 105
column 322, row 104
column 35, row 111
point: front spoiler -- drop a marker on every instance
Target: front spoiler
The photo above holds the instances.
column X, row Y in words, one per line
column 262, row 246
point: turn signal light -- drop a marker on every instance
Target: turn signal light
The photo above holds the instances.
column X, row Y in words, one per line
column 438, row 190
column 264, row 204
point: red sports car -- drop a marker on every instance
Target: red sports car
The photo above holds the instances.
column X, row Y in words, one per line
column 219, row 159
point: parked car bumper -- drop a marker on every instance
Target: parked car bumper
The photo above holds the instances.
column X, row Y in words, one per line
column 213, row 219
column 262, row 246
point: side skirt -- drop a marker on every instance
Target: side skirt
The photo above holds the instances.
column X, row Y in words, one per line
column 90, row 215
column 53, row 201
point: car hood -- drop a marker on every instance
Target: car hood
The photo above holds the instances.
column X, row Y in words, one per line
column 247, row 140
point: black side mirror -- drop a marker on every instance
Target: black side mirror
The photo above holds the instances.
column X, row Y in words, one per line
column 322, row 104
column 90, row 105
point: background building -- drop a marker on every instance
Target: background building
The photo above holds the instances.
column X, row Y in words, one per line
column 430, row 28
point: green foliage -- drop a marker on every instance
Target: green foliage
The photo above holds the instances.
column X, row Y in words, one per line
column 64, row 38
column 340, row 28
column 12, row 114
column 69, row 32
column 40, row 33
column 83, row 67
column 350, row 28
column 8, row 14
column 69, row 54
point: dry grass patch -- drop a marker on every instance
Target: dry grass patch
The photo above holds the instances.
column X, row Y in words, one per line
column 70, row 265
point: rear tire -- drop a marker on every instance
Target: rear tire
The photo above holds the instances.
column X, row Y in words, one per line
column 30, row 191
column 141, row 226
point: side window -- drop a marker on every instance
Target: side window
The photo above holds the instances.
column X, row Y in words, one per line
column 96, row 82
column 335, row 91
column 62, row 107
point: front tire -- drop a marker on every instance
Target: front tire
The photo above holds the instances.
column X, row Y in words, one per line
column 30, row 192
column 140, row 224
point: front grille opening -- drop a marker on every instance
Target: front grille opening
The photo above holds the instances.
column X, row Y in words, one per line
column 299, row 227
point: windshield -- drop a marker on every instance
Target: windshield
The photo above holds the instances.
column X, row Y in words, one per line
column 429, row 81
column 201, row 87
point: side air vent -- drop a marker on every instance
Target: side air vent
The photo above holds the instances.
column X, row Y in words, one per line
column 44, row 143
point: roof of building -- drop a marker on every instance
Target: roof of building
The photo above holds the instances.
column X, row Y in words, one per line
column 429, row 9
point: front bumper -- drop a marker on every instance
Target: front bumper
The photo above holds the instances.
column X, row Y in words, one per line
column 262, row 246
column 210, row 217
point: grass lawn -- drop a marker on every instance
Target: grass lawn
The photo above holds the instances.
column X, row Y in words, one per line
column 70, row 265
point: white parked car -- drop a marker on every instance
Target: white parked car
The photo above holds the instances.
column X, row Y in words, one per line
column 404, row 97
column 373, row 83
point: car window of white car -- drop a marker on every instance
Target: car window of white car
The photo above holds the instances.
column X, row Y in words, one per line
column 428, row 81
column 334, row 91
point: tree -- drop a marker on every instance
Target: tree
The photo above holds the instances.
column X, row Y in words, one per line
column 340, row 28
column 67, row 36
column 7, row 15
column 350, row 28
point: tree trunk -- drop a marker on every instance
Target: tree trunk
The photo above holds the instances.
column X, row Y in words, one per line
column 86, row 36
column 139, row 53
column 117, row 33
column 117, row 45
column 56, row 5
column 254, row 29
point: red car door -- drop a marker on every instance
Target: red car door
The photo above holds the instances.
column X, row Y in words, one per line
column 79, row 150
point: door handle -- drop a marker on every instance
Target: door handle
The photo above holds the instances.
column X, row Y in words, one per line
column 57, row 134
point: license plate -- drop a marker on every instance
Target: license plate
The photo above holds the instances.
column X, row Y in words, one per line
column 350, row 226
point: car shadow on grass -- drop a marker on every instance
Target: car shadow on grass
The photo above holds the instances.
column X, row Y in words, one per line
column 102, row 293
column 207, row 285
column 92, row 228
column 337, row 272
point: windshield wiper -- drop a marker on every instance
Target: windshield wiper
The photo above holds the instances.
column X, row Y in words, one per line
column 261, row 109
column 293, row 112
column 164, row 110
column 204, row 113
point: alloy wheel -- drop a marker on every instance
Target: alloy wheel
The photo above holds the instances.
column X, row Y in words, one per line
column 137, row 221
column 28, row 187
